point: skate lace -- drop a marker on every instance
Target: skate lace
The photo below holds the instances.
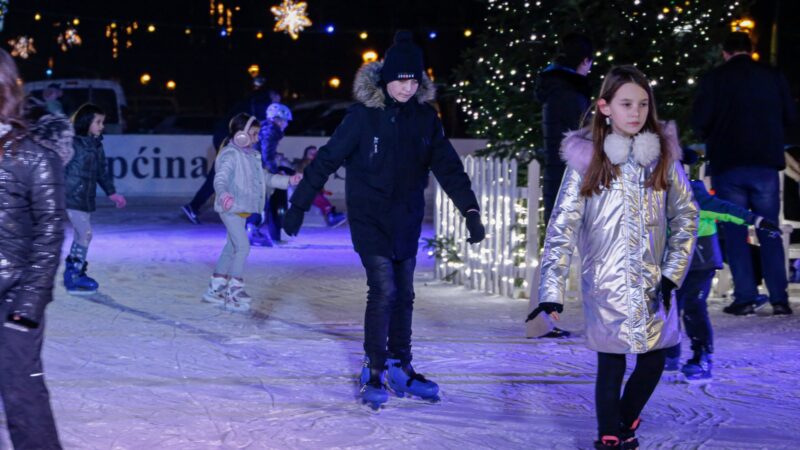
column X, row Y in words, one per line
column 415, row 376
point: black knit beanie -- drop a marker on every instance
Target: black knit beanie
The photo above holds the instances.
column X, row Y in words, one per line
column 403, row 60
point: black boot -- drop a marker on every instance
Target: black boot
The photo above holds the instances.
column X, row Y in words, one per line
column 699, row 367
column 334, row 218
column 628, row 436
column 607, row 443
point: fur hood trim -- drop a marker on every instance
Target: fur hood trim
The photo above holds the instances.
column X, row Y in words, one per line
column 577, row 149
column 367, row 88
column 54, row 132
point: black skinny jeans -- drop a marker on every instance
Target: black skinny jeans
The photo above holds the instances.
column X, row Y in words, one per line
column 25, row 395
column 390, row 304
column 614, row 412
column 205, row 192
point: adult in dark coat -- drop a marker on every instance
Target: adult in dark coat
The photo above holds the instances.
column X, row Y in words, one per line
column 389, row 142
column 741, row 111
column 563, row 90
column 32, row 215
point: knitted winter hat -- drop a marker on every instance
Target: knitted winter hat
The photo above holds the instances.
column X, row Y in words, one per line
column 403, row 60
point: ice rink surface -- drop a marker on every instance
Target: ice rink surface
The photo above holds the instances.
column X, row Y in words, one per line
column 144, row 364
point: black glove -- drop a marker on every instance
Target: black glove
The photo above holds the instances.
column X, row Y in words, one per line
column 667, row 286
column 20, row 323
column 547, row 307
column 476, row 230
column 767, row 225
column 293, row 220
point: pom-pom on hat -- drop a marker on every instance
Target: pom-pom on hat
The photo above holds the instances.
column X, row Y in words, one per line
column 403, row 60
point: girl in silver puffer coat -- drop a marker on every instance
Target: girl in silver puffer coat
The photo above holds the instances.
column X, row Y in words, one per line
column 626, row 204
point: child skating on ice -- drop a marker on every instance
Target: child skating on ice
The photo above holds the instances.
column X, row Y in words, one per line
column 83, row 174
column 707, row 259
column 240, row 184
column 627, row 207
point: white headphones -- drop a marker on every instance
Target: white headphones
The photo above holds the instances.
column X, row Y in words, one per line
column 241, row 139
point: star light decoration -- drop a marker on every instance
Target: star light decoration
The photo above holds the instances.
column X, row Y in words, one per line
column 291, row 17
column 68, row 39
column 22, row 47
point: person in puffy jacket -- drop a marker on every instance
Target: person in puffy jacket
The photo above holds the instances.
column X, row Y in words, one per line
column 389, row 142
column 83, row 174
column 32, row 155
column 240, row 183
column 626, row 204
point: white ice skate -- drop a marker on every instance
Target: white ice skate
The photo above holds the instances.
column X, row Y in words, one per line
column 216, row 290
column 236, row 299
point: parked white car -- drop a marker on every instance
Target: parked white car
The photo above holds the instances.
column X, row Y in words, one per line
column 106, row 94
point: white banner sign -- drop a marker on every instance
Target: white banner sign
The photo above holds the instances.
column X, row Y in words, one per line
column 149, row 165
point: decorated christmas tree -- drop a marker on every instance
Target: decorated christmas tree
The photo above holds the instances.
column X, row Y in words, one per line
column 673, row 42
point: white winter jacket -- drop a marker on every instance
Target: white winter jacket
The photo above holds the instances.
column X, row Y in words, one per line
column 239, row 172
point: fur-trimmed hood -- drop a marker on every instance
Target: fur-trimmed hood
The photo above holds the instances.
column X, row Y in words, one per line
column 53, row 132
column 367, row 88
column 577, row 148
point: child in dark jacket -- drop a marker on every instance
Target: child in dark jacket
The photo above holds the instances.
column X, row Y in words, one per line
column 707, row 259
column 83, row 174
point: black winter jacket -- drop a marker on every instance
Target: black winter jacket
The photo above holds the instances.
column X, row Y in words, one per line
column 741, row 110
column 388, row 149
column 85, row 171
column 32, row 215
column 564, row 96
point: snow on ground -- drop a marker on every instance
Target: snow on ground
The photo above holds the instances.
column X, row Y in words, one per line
column 145, row 365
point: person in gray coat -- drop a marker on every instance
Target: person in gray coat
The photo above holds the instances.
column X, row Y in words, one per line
column 627, row 206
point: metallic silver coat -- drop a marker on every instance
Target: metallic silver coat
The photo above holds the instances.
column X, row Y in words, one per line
column 628, row 237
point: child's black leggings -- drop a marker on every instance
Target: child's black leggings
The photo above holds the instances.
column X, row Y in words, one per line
column 613, row 411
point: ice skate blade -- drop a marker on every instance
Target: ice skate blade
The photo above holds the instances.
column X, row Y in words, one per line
column 213, row 301
column 373, row 406
column 402, row 394
column 81, row 293
column 698, row 381
column 674, row 377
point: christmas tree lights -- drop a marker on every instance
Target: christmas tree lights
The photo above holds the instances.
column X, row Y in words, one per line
column 672, row 42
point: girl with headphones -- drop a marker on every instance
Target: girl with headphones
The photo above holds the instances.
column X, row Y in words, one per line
column 240, row 184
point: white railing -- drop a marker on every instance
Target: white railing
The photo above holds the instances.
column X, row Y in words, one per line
column 503, row 263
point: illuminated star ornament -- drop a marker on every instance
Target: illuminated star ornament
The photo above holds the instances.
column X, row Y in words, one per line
column 69, row 39
column 291, row 17
column 22, row 47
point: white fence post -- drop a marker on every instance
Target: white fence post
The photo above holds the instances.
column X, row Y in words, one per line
column 490, row 265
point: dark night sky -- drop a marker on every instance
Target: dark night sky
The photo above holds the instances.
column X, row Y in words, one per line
column 210, row 70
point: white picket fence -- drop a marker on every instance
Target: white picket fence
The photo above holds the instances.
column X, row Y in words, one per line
column 503, row 263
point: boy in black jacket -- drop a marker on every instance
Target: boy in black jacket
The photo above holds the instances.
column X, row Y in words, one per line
column 388, row 142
